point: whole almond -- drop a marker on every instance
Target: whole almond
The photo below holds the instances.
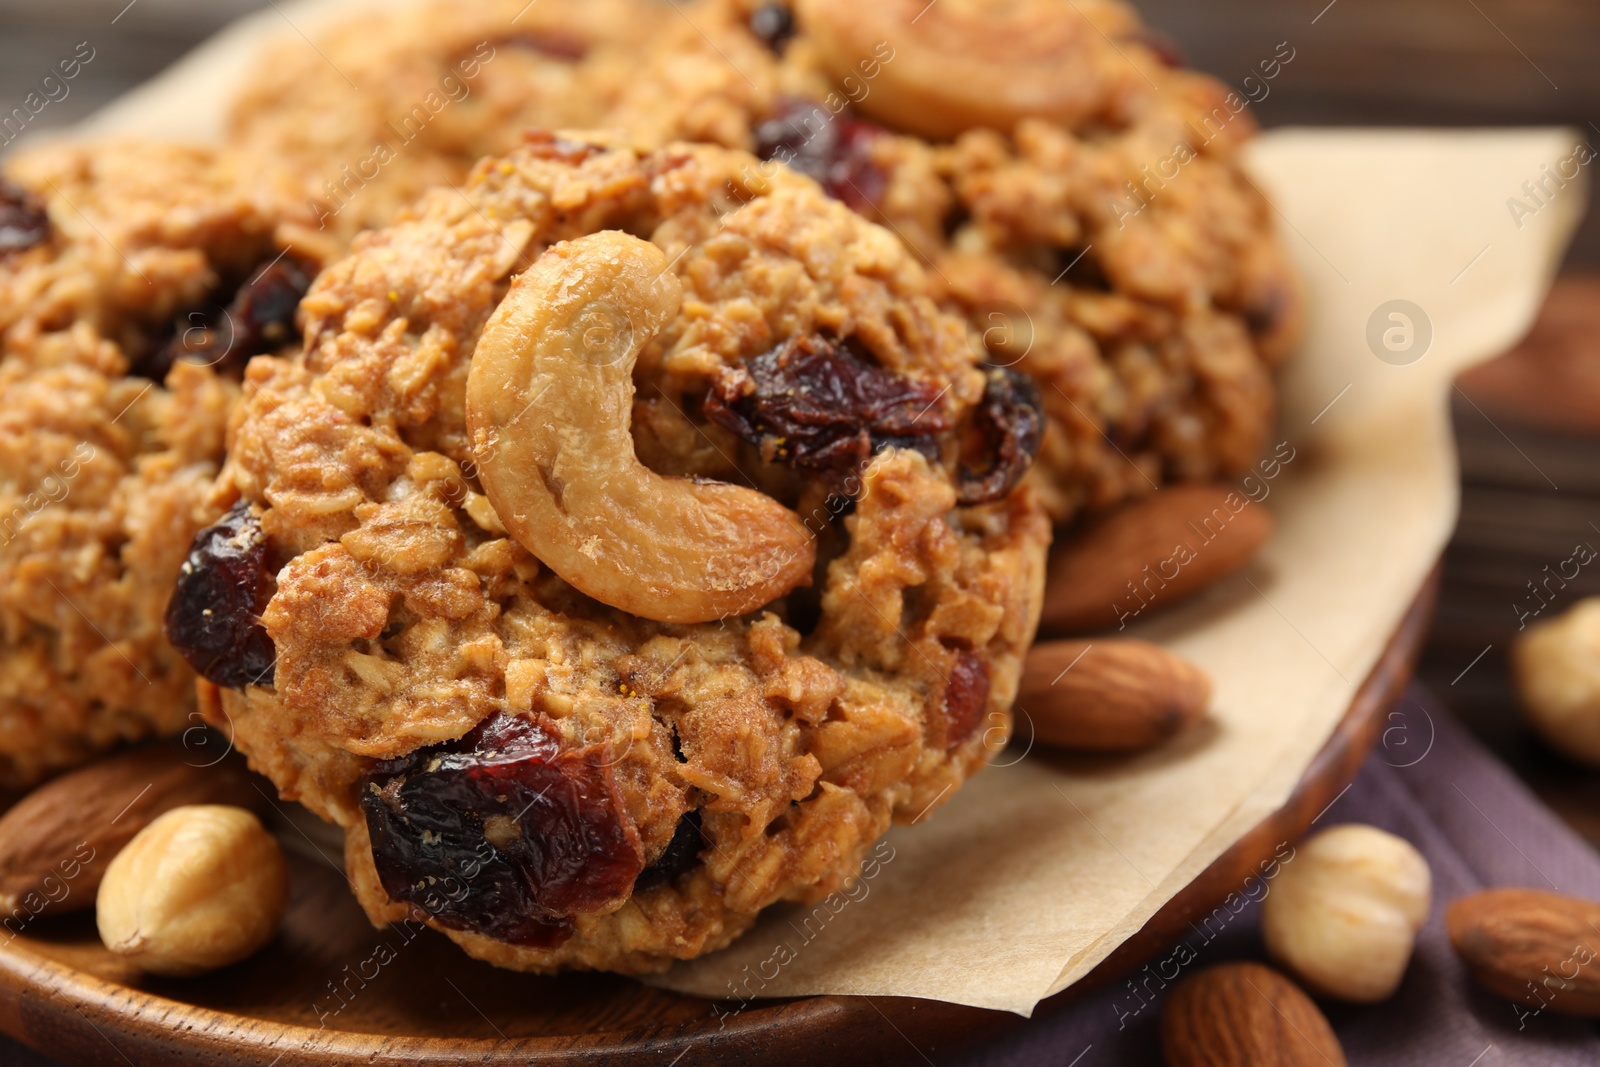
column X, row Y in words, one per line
column 1537, row 948
column 1149, row 556
column 56, row 843
column 1245, row 1015
column 1111, row 694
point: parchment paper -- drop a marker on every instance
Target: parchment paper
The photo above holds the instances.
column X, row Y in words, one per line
column 1042, row 865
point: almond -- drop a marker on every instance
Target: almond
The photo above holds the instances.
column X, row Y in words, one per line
column 56, row 843
column 1111, row 694
column 1149, row 556
column 1245, row 1015
column 1537, row 948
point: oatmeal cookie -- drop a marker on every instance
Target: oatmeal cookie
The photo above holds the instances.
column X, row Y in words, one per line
column 1074, row 194
column 387, row 103
column 635, row 539
column 117, row 339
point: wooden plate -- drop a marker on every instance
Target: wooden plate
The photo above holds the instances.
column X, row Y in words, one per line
column 323, row 994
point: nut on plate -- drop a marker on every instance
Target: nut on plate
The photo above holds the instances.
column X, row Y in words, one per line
column 1343, row 916
column 1151, row 555
column 1537, row 948
column 1110, row 694
column 56, row 842
column 1556, row 664
column 1245, row 1015
column 199, row 888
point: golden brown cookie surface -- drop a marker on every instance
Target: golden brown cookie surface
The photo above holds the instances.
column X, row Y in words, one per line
column 135, row 279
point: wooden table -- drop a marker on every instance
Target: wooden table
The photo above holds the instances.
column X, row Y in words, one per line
column 1528, row 428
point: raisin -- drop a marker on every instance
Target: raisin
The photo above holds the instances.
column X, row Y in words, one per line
column 259, row 319
column 966, row 694
column 834, row 150
column 682, row 853
column 506, row 831
column 1081, row 270
column 214, row 616
column 774, row 25
column 811, row 403
column 23, row 221
column 1007, row 427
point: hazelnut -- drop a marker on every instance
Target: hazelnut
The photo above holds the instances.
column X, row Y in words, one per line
column 201, row 887
column 1343, row 915
column 1557, row 668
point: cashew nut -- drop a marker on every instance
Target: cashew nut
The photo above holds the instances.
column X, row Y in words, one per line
column 939, row 69
column 549, row 399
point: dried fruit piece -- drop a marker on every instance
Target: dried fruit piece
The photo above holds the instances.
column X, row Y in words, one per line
column 214, row 616
column 1245, row 1015
column 552, row 43
column 833, row 150
column 57, row 841
column 681, row 853
column 810, row 403
column 201, row 887
column 966, row 694
column 259, row 319
column 1007, row 428
column 24, row 223
column 773, row 24
column 505, row 832
column 549, row 409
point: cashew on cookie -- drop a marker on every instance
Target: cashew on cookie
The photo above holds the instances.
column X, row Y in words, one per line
column 961, row 64
column 549, row 405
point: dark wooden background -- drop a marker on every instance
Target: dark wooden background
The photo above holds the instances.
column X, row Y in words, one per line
column 1529, row 436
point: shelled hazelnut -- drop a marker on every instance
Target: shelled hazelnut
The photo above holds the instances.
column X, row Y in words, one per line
column 1344, row 916
column 201, row 887
column 1556, row 664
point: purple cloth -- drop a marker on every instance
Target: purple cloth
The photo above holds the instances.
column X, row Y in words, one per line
column 1479, row 826
column 1432, row 784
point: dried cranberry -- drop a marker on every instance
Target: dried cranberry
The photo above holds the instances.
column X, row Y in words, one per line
column 543, row 144
column 552, row 43
column 1268, row 310
column 23, row 220
column 259, row 319
column 682, row 853
column 811, row 403
column 214, row 616
column 835, row 150
column 966, row 694
column 1007, row 427
column 1165, row 49
column 774, row 25
column 506, row 831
